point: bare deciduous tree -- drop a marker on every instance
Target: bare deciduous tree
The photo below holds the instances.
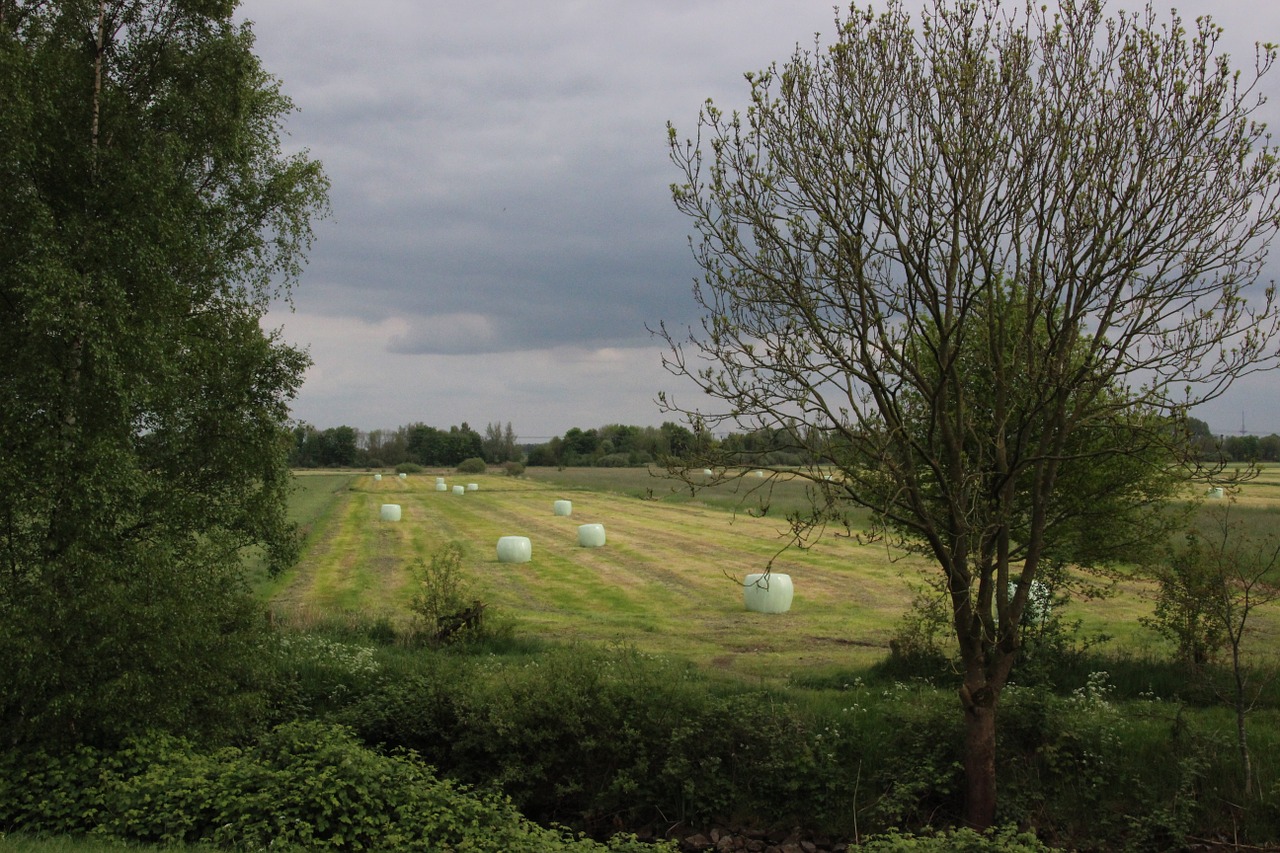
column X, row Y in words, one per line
column 966, row 264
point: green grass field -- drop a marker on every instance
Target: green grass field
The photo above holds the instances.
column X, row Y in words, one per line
column 668, row 579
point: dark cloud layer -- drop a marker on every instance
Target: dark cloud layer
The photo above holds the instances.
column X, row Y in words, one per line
column 502, row 228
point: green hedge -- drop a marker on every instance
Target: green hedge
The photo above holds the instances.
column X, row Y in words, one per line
column 306, row 786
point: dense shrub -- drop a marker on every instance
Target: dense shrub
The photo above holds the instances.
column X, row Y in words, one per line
column 474, row 465
column 409, row 468
column 615, row 460
column 304, row 786
column 588, row 736
column 598, row 738
column 445, row 609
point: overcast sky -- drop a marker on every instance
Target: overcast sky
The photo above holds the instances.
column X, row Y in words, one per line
column 502, row 226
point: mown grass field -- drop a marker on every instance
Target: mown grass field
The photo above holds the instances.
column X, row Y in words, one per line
column 668, row 579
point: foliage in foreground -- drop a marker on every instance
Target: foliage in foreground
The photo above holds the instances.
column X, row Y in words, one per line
column 304, row 786
column 1005, row 840
column 597, row 739
column 594, row 738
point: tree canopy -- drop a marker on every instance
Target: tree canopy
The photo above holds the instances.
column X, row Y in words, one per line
column 979, row 265
column 149, row 216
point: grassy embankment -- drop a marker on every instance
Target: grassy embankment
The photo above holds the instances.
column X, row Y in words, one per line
column 667, row 579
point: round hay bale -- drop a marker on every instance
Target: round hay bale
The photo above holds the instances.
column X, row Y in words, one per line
column 442, row 487
column 459, row 490
column 473, row 487
column 514, row 549
column 562, row 507
column 767, row 593
column 377, row 478
column 403, row 476
column 1039, row 601
column 390, row 512
column 591, row 535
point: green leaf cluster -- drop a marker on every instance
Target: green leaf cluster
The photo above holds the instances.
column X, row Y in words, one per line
column 305, row 786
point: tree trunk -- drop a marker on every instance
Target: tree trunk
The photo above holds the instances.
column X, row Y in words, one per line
column 979, row 756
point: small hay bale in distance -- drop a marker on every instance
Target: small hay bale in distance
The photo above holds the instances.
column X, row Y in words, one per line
column 562, row 508
column 390, row 512
column 514, row 549
column 767, row 593
column 459, row 490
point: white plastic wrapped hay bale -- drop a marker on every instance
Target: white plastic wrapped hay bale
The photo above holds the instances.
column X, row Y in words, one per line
column 459, row 490
column 1216, row 493
column 390, row 512
column 591, row 535
column 442, row 487
column 707, row 472
column 562, row 508
column 473, row 487
column 403, row 476
column 767, row 593
column 515, row 549
column 1039, row 601
column 439, row 481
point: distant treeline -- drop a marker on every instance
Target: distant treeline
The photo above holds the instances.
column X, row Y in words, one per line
column 615, row 445
column 1233, row 448
column 621, row 446
column 348, row 447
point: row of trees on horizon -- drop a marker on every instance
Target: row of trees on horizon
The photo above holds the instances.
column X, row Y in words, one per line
column 615, row 445
column 619, row 446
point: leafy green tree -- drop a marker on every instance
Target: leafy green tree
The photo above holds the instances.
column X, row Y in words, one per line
column 427, row 445
column 500, row 444
column 305, row 452
column 1204, row 444
column 579, row 446
column 424, row 444
column 340, row 448
column 547, row 455
column 1241, row 448
column 463, row 443
column 974, row 262
column 148, row 217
